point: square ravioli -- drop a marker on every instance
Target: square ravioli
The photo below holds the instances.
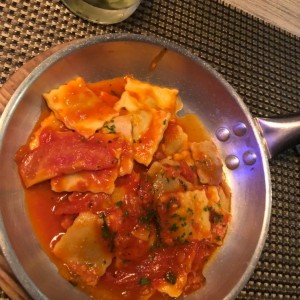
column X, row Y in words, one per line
column 79, row 108
column 128, row 197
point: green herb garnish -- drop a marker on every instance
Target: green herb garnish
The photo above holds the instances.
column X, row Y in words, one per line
column 170, row 277
column 207, row 208
column 190, row 211
column 173, row 227
column 144, row 281
column 183, row 184
column 217, row 218
column 110, row 126
column 119, row 204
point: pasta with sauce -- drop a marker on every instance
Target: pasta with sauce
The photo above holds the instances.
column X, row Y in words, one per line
column 124, row 198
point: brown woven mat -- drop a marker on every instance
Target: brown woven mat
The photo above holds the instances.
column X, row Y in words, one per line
column 260, row 61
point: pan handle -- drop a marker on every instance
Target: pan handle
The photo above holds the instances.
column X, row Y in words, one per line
column 279, row 133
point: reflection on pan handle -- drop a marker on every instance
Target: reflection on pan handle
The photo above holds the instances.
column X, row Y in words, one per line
column 279, row 133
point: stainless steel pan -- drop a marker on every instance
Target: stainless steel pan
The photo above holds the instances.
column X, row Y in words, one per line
column 244, row 143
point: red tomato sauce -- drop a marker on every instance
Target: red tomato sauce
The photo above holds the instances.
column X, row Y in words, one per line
column 51, row 214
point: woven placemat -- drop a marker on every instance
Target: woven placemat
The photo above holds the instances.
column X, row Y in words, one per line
column 260, row 61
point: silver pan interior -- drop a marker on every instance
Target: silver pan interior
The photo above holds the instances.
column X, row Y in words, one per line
column 203, row 92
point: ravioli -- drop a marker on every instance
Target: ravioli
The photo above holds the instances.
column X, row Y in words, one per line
column 184, row 217
column 145, row 147
column 114, row 86
column 153, row 96
column 175, row 140
column 139, row 201
column 166, row 178
column 122, row 127
column 102, row 181
column 151, row 108
column 79, row 108
column 84, row 250
column 174, row 290
column 208, row 162
column 49, row 122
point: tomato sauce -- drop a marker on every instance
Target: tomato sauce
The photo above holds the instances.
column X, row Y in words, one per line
column 130, row 225
column 138, row 262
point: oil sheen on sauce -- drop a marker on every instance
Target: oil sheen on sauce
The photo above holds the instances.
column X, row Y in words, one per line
column 40, row 202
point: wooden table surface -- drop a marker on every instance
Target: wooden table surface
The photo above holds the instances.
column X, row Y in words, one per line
column 284, row 14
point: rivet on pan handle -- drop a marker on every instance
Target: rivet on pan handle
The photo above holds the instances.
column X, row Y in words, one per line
column 279, row 133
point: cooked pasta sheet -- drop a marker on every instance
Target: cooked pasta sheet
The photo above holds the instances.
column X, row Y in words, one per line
column 131, row 203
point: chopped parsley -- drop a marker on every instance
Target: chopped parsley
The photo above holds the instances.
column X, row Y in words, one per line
column 119, row 204
column 148, row 217
column 152, row 257
column 207, row 208
column 217, row 218
column 173, row 227
column 105, row 231
column 193, row 168
column 175, row 215
column 172, row 200
column 183, row 184
column 107, row 234
column 190, row 211
column 170, row 277
column 110, row 126
column 184, row 224
column 144, row 281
